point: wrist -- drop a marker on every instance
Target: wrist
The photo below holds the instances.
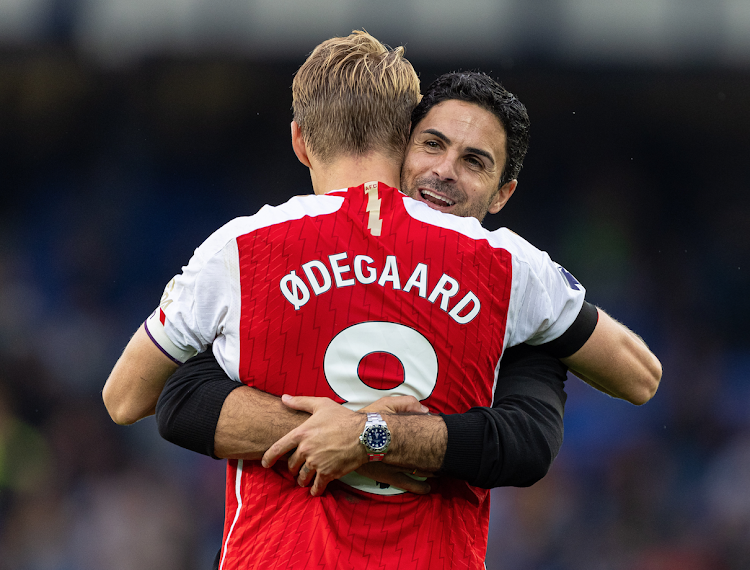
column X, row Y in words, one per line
column 375, row 437
column 417, row 440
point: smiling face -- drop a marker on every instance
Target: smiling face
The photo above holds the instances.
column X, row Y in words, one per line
column 455, row 159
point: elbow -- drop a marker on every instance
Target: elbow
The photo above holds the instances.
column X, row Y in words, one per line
column 533, row 466
column 534, row 469
column 650, row 380
column 121, row 412
column 534, row 473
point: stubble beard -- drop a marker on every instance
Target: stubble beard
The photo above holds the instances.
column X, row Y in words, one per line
column 463, row 207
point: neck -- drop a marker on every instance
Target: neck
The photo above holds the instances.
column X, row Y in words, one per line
column 348, row 171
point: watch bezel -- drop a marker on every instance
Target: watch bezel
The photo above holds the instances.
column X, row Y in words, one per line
column 369, row 432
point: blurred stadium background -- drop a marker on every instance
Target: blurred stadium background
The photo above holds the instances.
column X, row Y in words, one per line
column 131, row 130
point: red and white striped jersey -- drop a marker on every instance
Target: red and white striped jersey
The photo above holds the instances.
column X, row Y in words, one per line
column 354, row 295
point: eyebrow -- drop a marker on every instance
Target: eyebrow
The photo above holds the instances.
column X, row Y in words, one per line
column 470, row 149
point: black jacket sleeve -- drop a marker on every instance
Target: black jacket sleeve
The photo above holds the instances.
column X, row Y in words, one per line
column 189, row 406
column 514, row 442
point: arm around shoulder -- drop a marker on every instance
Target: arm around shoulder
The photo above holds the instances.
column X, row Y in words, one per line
column 617, row 361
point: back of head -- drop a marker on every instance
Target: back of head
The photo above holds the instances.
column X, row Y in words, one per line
column 354, row 95
column 480, row 89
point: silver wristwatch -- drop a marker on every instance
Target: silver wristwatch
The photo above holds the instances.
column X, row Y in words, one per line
column 376, row 437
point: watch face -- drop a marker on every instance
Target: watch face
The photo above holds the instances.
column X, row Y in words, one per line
column 377, row 438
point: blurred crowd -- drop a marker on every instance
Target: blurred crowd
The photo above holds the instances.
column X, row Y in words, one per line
column 636, row 181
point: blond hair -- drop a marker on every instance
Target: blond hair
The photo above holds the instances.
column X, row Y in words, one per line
column 354, row 95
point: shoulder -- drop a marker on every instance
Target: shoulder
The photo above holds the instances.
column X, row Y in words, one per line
column 296, row 208
column 522, row 249
column 471, row 228
column 468, row 227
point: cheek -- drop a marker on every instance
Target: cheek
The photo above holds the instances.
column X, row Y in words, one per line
column 410, row 171
column 479, row 195
column 410, row 163
column 418, row 160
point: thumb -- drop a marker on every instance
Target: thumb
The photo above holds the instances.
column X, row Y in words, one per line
column 406, row 404
column 403, row 481
column 302, row 403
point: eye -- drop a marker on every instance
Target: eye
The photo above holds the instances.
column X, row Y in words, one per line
column 432, row 144
column 474, row 162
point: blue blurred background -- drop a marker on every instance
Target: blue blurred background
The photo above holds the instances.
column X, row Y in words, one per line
column 129, row 131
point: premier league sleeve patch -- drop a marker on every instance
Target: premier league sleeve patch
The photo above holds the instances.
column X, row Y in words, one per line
column 572, row 281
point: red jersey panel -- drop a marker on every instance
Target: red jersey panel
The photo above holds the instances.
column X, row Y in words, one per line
column 306, row 283
column 355, row 295
column 419, row 273
column 279, row 525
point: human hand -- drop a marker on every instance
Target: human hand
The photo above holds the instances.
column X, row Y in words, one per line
column 327, row 444
column 396, row 476
column 396, row 405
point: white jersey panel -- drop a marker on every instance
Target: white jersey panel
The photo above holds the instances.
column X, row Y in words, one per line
column 544, row 303
column 201, row 306
column 547, row 302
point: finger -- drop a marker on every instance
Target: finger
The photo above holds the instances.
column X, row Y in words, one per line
column 394, row 476
column 383, row 404
column 281, row 447
column 402, row 405
column 320, row 484
column 403, row 481
column 295, row 462
column 396, row 405
column 302, row 403
column 306, row 475
column 407, row 404
column 418, row 473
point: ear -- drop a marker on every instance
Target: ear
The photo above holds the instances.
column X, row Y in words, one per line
column 298, row 144
column 502, row 196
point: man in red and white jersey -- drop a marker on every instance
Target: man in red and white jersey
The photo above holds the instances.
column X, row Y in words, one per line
column 308, row 290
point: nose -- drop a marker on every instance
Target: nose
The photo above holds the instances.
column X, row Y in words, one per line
column 445, row 168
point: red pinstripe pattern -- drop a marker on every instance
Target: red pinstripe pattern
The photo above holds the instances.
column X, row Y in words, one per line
column 281, row 526
column 282, row 349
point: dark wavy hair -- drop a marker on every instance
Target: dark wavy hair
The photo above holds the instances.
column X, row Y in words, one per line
column 479, row 88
